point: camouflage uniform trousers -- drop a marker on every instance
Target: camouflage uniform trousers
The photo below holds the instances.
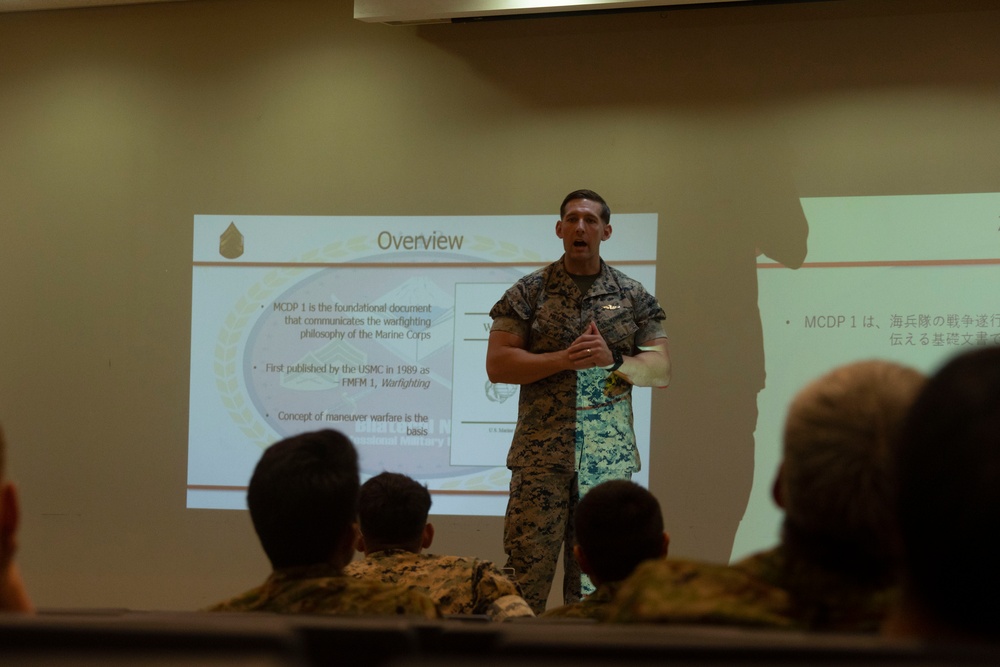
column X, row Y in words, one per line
column 538, row 522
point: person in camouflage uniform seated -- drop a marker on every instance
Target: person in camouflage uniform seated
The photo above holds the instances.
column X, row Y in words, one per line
column 392, row 512
column 834, row 568
column 618, row 526
column 303, row 499
column 576, row 335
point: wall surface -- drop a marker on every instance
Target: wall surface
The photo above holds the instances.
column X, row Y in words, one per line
column 118, row 125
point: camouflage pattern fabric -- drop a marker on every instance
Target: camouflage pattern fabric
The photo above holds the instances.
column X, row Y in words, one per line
column 458, row 584
column 545, row 309
column 590, row 475
column 508, row 607
column 680, row 591
column 822, row 600
column 321, row 589
column 568, row 421
column 539, row 519
column 594, row 606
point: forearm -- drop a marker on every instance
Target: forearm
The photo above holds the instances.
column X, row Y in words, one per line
column 649, row 368
column 513, row 365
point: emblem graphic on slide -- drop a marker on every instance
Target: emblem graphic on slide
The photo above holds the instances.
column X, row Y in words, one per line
column 499, row 393
column 231, row 242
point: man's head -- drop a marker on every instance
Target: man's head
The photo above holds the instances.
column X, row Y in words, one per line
column 835, row 483
column 584, row 223
column 948, row 495
column 392, row 513
column 13, row 595
column 8, row 512
column 303, row 499
column 618, row 525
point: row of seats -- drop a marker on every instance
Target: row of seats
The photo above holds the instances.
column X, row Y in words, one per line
column 263, row 640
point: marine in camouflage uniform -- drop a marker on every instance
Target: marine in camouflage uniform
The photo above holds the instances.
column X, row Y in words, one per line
column 459, row 585
column 770, row 588
column 323, row 589
column 822, row 599
column 683, row 591
column 574, row 428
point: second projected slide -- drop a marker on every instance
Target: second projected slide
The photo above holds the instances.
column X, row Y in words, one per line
column 910, row 279
column 374, row 326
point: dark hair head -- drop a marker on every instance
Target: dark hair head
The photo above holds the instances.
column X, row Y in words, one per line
column 948, row 494
column 303, row 497
column 618, row 525
column 592, row 196
column 392, row 511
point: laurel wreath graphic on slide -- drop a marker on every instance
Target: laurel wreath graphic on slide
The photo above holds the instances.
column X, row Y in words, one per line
column 247, row 309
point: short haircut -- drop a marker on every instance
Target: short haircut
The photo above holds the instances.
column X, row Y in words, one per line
column 303, row 497
column 618, row 525
column 592, row 196
column 836, row 480
column 948, row 494
column 392, row 510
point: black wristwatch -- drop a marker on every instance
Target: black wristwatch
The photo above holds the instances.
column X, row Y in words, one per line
column 619, row 360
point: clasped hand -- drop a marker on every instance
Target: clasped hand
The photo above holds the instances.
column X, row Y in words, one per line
column 589, row 350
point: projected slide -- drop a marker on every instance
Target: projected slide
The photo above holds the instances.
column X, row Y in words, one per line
column 906, row 278
column 375, row 326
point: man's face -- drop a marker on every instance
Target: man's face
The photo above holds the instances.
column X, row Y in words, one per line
column 582, row 230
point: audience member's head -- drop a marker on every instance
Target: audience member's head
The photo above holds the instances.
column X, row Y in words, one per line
column 835, row 479
column 948, row 499
column 303, row 499
column 392, row 513
column 618, row 525
column 13, row 596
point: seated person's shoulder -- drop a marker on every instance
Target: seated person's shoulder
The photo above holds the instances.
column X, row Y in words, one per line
column 583, row 609
column 375, row 597
column 595, row 606
column 688, row 591
column 398, row 565
column 337, row 595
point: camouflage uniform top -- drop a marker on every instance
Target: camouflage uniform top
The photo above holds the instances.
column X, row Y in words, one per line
column 459, row 585
column 821, row 599
column 321, row 589
column 560, row 414
column 595, row 605
column 680, row 591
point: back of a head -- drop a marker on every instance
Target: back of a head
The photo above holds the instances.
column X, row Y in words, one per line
column 948, row 494
column 303, row 497
column 618, row 525
column 392, row 511
column 13, row 594
column 835, row 481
